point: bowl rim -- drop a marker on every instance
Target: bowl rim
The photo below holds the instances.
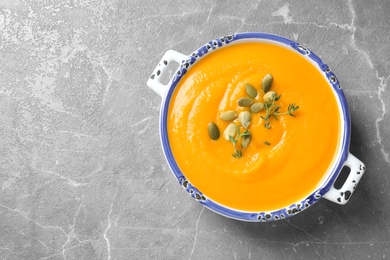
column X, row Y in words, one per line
column 262, row 216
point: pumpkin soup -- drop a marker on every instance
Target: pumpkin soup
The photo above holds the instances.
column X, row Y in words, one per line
column 280, row 153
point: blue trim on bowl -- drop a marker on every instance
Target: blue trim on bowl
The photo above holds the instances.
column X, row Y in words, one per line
column 242, row 215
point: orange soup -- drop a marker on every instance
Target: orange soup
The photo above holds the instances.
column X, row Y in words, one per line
column 282, row 164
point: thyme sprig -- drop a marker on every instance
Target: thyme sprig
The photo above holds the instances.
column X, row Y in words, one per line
column 234, row 140
column 272, row 110
column 291, row 108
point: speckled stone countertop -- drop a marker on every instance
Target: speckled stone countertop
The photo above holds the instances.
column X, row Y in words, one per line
column 82, row 172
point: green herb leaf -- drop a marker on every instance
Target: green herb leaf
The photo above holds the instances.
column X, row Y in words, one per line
column 245, row 133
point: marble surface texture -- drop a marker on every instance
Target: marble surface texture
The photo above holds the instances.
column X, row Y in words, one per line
column 82, row 172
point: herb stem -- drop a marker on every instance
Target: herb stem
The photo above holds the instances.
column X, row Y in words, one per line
column 272, row 110
column 238, row 153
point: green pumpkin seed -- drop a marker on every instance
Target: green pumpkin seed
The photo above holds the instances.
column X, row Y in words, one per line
column 245, row 118
column 245, row 102
column 251, row 91
column 246, row 140
column 231, row 130
column 228, row 115
column 269, row 96
column 213, row 131
column 266, row 83
column 256, row 107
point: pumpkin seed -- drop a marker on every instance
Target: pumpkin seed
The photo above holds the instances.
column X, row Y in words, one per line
column 231, row 130
column 269, row 96
column 256, row 107
column 246, row 140
column 245, row 118
column 250, row 90
column 213, row 131
column 228, row 115
column 266, row 83
column 245, row 102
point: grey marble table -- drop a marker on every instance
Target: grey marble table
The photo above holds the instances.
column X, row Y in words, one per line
column 82, row 172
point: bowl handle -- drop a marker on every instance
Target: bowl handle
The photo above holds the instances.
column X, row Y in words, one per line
column 154, row 80
column 342, row 195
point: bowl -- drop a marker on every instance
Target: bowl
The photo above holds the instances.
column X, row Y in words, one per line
column 214, row 199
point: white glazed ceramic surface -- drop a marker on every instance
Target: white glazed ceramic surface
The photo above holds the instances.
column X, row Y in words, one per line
column 325, row 189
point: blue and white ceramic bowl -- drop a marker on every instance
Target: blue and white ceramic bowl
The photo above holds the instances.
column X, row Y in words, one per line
column 344, row 158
